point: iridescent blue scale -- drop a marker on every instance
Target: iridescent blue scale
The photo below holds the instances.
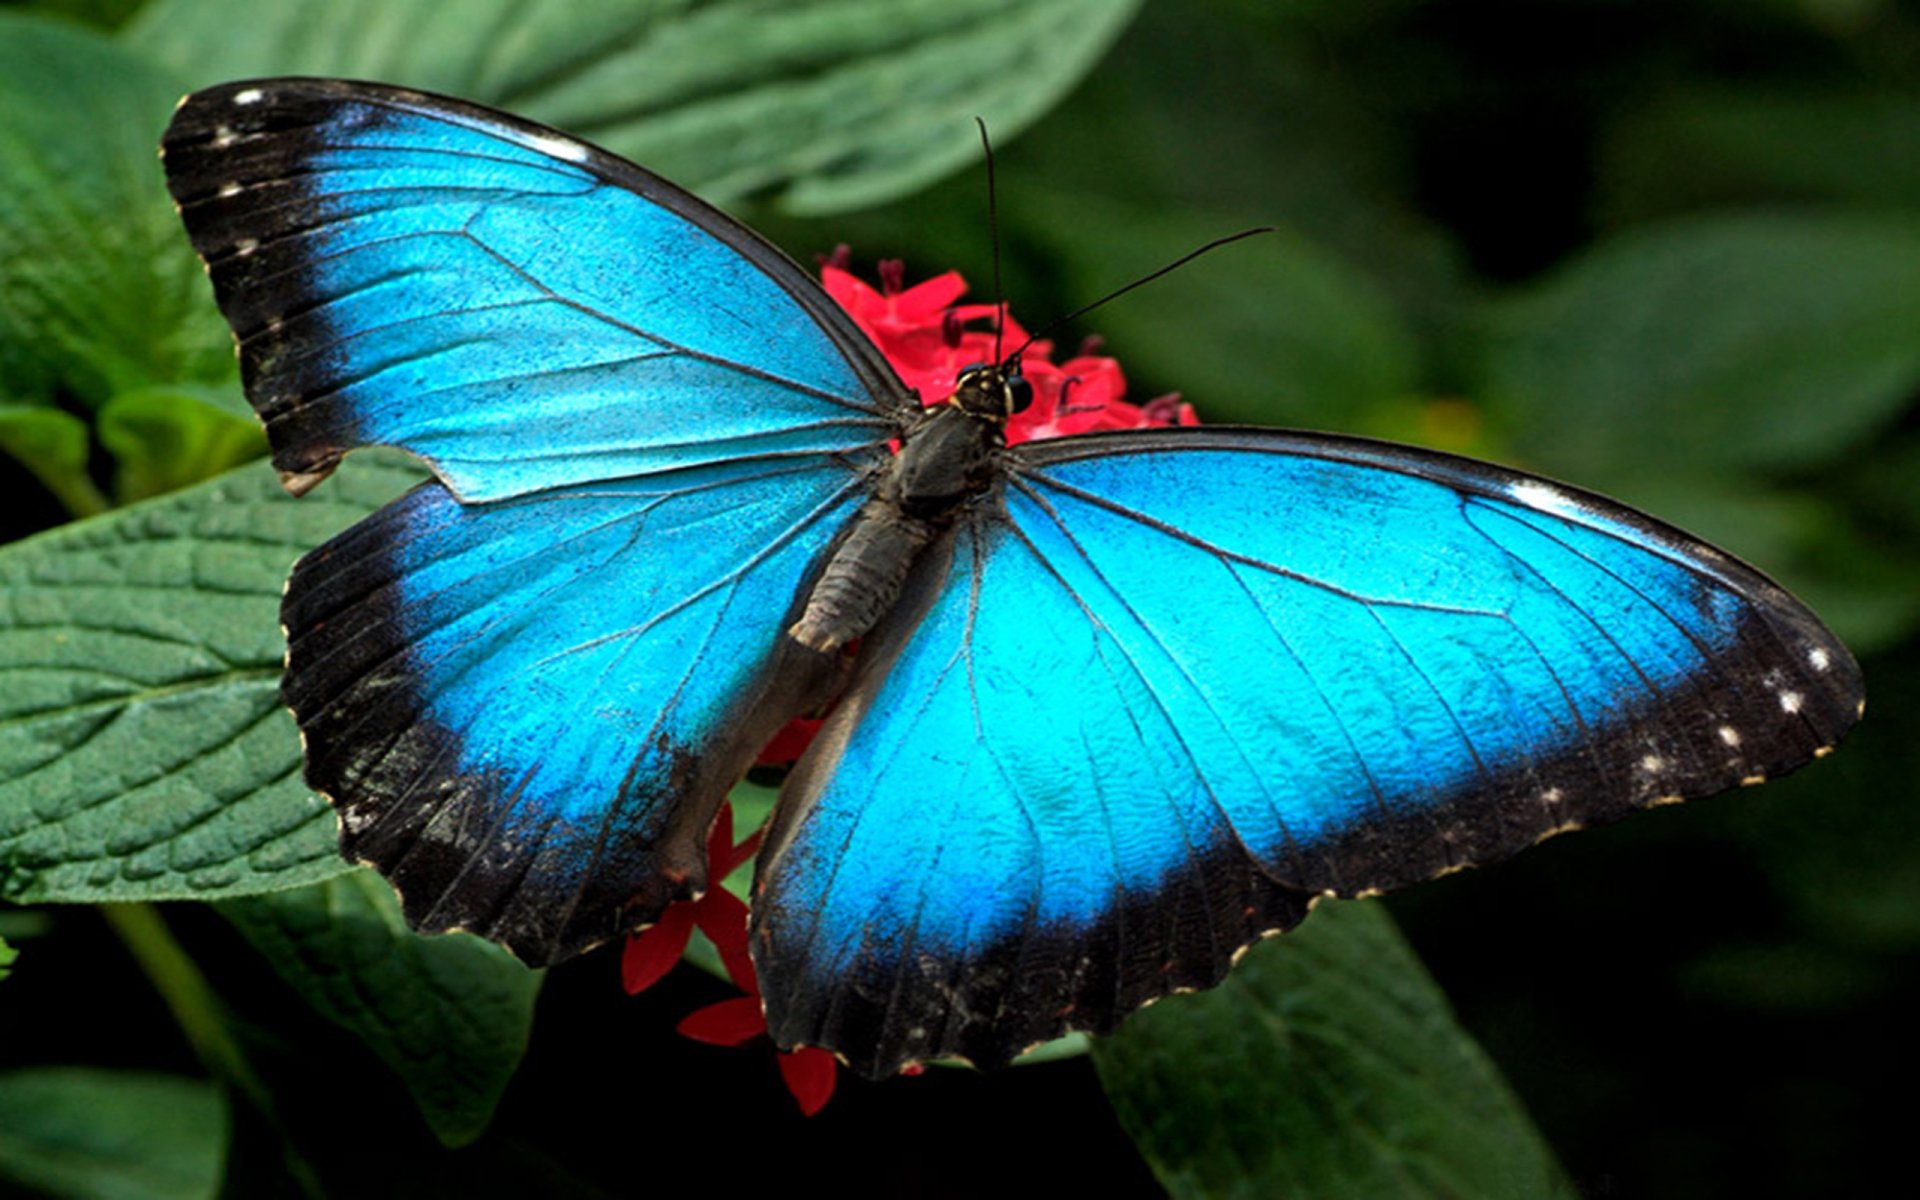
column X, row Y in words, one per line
column 1142, row 698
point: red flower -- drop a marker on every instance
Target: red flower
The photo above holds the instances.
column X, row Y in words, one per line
column 929, row 338
column 792, row 740
column 720, row 914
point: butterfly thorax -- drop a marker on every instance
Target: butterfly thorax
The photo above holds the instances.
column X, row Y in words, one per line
column 949, row 456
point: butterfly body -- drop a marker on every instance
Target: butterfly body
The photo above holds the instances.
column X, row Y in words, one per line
column 949, row 457
column 1121, row 703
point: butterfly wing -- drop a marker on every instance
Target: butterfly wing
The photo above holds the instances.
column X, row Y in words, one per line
column 520, row 309
column 528, row 684
column 1173, row 685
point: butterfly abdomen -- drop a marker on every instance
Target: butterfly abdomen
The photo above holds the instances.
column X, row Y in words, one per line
column 863, row 578
column 945, row 461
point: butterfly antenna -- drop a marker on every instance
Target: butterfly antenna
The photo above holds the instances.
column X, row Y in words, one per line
column 1118, row 292
column 993, row 234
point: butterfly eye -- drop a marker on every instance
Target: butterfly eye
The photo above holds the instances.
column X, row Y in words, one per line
column 1019, row 394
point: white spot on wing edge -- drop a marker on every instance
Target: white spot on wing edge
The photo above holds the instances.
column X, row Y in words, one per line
column 1790, row 702
column 228, row 189
column 249, row 96
column 1652, row 763
column 1544, row 497
column 559, row 147
column 1819, row 658
column 1729, row 735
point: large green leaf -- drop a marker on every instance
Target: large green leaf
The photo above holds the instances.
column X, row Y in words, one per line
column 1327, row 1065
column 143, row 750
column 833, row 104
column 111, row 1135
column 450, row 1014
column 99, row 291
column 1726, row 342
column 7, row 955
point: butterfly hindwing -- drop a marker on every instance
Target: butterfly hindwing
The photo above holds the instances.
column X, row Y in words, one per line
column 528, row 711
column 520, row 309
column 1175, row 684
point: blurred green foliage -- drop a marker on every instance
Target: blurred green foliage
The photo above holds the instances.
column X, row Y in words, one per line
column 1668, row 249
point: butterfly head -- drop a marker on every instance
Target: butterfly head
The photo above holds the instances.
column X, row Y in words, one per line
column 992, row 392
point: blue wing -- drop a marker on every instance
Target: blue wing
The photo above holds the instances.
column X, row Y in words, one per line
column 1169, row 687
column 518, row 308
column 527, row 686
column 528, row 711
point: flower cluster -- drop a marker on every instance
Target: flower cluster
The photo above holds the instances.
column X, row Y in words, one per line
column 929, row 338
column 722, row 916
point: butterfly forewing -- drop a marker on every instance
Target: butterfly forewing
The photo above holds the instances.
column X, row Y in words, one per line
column 520, row 309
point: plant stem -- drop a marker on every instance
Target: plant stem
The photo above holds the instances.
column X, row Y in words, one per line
column 197, row 1010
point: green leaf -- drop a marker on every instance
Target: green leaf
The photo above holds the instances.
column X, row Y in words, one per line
column 52, row 443
column 166, row 438
column 111, row 1135
column 1328, row 1064
column 1771, row 341
column 1272, row 330
column 144, row 754
column 104, row 13
column 833, row 104
column 1714, row 145
column 99, row 291
column 1169, row 122
column 7, row 956
column 449, row 1014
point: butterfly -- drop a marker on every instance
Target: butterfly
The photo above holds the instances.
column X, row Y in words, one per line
column 1109, row 707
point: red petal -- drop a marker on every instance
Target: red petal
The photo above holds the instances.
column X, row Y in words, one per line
column 810, row 1075
column 923, row 303
column 851, row 291
column 792, row 741
column 728, row 1023
column 719, row 842
column 652, row 952
column 744, row 851
column 722, row 916
column 1100, row 379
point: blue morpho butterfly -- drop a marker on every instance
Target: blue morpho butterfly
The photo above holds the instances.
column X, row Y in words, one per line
column 1121, row 705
